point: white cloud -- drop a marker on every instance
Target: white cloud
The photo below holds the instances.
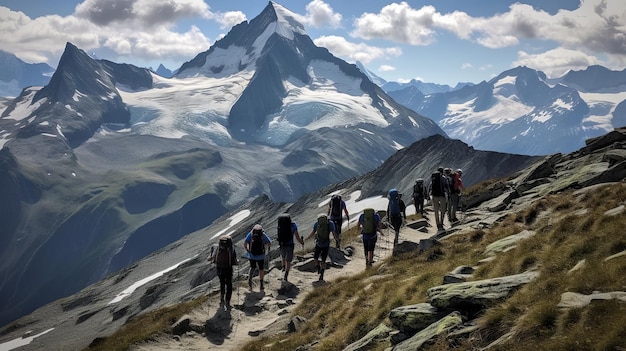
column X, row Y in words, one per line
column 320, row 14
column 339, row 46
column 146, row 13
column 555, row 63
column 386, row 68
column 596, row 26
column 229, row 19
column 399, row 23
column 141, row 29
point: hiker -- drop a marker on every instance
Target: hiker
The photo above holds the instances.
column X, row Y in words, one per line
column 447, row 172
column 369, row 225
column 255, row 245
column 224, row 257
column 438, row 191
column 396, row 211
column 335, row 206
column 455, row 193
column 418, row 196
column 287, row 229
column 322, row 229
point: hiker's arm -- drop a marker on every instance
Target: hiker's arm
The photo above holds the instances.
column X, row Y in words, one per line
column 311, row 234
column 345, row 210
column 245, row 246
column 300, row 240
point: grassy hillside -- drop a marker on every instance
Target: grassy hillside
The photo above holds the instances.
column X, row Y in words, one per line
column 574, row 237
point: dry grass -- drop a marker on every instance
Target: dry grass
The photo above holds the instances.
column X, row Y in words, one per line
column 346, row 309
column 146, row 326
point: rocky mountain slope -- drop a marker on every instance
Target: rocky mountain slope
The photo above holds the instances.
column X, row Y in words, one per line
column 106, row 305
column 110, row 162
column 536, row 262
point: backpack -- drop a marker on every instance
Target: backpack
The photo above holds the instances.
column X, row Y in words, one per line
column 323, row 228
column 257, row 246
column 456, row 182
column 436, row 184
column 285, row 234
column 394, row 203
column 335, row 206
column 369, row 221
column 418, row 189
column 224, row 257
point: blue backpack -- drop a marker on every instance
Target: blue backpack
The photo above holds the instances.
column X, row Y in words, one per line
column 394, row 203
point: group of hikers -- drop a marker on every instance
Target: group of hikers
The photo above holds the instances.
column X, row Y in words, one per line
column 445, row 189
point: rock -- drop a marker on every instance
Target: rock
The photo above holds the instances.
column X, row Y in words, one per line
column 181, row 326
column 458, row 275
column 379, row 334
column 507, row 243
column 619, row 254
column 430, row 333
column 574, row 300
column 477, row 295
column 296, row 323
column 616, row 211
column 412, row 318
column 578, row 266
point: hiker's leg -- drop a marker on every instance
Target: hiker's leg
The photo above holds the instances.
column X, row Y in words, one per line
column 222, row 278
column 229, row 288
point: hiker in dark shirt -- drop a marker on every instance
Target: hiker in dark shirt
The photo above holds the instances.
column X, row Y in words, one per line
column 336, row 206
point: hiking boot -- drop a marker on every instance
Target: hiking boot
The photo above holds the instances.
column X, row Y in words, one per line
column 322, row 275
column 262, row 286
column 286, row 274
column 250, row 283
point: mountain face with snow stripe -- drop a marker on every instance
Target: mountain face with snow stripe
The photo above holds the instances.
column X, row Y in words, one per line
column 109, row 162
column 16, row 74
column 522, row 111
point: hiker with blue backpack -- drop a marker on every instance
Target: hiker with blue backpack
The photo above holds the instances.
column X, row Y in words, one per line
column 287, row 230
column 322, row 229
column 396, row 212
column 255, row 245
column 369, row 225
column 336, row 206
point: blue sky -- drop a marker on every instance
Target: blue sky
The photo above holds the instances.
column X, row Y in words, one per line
column 442, row 41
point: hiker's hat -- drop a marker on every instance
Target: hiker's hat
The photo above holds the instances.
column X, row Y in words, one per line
column 257, row 227
column 459, row 170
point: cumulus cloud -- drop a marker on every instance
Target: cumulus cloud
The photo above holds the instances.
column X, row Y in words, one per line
column 399, row 23
column 353, row 51
column 320, row 14
column 555, row 63
column 596, row 26
column 386, row 68
column 142, row 29
column 145, row 12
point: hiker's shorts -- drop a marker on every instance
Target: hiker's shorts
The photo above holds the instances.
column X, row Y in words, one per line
column 286, row 252
column 369, row 242
column 257, row 264
column 321, row 253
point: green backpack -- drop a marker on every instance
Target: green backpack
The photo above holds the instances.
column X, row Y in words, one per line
column 323, row 229
column 369, row 221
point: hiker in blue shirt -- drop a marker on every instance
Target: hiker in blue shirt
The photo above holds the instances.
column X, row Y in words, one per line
column 255, row 245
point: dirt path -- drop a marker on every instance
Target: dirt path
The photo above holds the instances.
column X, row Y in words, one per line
column 256, row 312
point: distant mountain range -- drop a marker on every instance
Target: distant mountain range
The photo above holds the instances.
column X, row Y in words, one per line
column 522, row 111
